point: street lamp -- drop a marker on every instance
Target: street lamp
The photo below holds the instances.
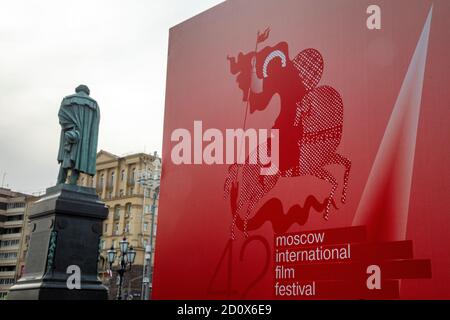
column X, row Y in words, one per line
column 150, row 180
column 111, row 255
column 123, row 244
column 125, row 260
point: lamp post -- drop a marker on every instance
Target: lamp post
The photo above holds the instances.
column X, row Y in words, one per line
column 151, row 247
column 125, row 261
column 149, row 181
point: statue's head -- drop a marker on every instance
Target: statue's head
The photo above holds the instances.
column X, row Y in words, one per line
column 82, row 88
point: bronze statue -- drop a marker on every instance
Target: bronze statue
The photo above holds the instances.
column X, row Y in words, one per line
column 79, row 117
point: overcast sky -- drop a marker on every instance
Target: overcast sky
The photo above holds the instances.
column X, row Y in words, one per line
column 48, row 47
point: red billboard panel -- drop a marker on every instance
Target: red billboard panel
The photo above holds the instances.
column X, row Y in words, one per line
column 306, row 153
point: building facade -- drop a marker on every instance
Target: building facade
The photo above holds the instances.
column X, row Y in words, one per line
column 132, row 207
column 13, row 236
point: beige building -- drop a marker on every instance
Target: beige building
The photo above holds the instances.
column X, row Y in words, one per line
column 131, row 207
column 13, row 236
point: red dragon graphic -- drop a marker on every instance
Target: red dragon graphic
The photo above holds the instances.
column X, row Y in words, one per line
column 310, row 122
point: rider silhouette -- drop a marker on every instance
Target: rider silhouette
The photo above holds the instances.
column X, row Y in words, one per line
column 282, row 78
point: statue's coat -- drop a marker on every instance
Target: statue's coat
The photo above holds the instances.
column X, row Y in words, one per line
column 80, row 114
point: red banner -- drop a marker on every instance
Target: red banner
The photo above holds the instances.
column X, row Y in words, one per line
column 305, row 152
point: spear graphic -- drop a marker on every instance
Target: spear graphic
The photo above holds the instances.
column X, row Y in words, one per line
column 260, row 37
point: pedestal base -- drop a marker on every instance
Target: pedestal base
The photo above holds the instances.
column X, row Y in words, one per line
column 66, row 225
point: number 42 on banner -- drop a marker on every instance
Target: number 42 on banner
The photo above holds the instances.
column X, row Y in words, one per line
column 226, row 262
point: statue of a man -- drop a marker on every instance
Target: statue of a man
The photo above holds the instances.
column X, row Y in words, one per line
column 79, row 117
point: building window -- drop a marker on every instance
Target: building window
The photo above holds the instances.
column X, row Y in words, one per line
column 131, row 190
column 121, row 193
column 112, row 178
column 15, row 205
column 8, row 255
column 122, row 175
column 10, row 230
column 15, row 218
column 102, row 180
column 145, row 226
column 7, row 281
column 128, row 208
column 110, row 195
column 133, row 175
column 102, row 244
column 127, row 227
column 116, row 229
column 117, row 212
column 7, row 268
column 9, row 243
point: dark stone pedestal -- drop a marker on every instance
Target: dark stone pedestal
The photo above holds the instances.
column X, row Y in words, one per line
column 66, row 225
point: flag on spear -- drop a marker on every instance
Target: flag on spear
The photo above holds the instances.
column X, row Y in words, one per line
column 263, row 36
column 256, row 87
